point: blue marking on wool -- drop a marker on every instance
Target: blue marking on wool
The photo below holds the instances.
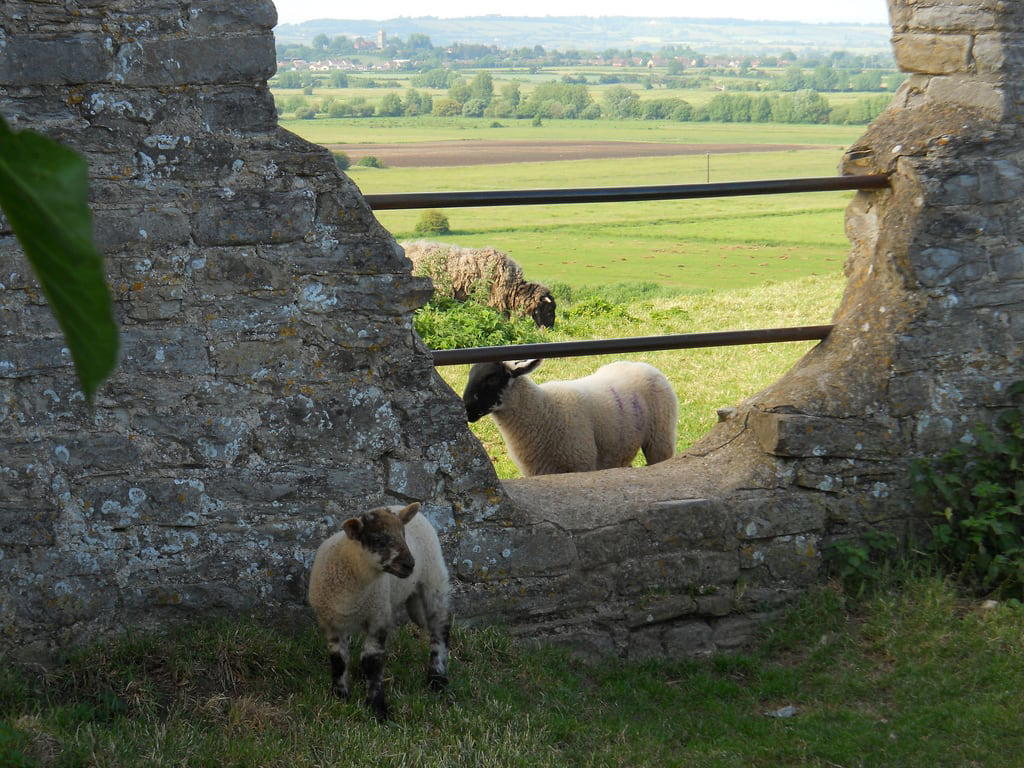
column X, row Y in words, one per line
column 638, row 412
column 618, row 400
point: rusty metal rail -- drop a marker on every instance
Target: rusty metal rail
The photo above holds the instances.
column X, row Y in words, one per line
column 405, row 200
column 634, row 344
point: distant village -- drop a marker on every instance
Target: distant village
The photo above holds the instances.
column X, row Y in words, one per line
column 537, row 56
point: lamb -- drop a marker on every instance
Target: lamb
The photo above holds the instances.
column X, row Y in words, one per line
column 383, row 559
column 458, row 272
column 596, row 422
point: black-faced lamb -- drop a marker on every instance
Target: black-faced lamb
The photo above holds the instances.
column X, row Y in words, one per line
column 362, row 575
column 460, row 272
column 597, row 422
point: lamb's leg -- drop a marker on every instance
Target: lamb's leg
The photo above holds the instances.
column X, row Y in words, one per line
column 439, row 621
column 338, row 651
column 415, row 609
column 372, row 664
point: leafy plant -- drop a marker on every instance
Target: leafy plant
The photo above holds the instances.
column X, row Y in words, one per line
column 432, row 223
column 978, row 492
column 44, row 193
column 445, row 323
column 370, row 161
column 860, row 563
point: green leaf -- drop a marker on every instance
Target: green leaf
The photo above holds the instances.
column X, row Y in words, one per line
column 44, row 193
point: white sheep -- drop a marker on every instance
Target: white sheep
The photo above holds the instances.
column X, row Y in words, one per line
column 597, row 422
column 362, row 576
column 460, row 272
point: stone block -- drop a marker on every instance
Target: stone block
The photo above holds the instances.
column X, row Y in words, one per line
column 179, row 351
column 932, row 54
column 766, row 517
column 195, row 61
column 238, row 109
column 645, row 644
column 688, row 638
column 656, row 609
column 732, row 632
column 411, row 479
column 612, row 544
column 974, row 93
column 490, row 553
column 688, row 523
column 798, row 435
column 989, row 53
column 968, row 17
column 118, row 228
column 43, row 60
column 250, row 217
column 225, row 16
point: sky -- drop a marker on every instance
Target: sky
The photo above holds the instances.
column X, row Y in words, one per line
column 863, row 12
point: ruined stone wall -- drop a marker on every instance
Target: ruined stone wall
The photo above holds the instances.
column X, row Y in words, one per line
column 271, row 383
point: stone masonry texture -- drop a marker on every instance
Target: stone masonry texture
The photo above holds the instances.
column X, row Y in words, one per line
column 271, row 384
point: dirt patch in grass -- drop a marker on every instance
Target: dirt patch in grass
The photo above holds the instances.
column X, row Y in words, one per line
column 486, row 152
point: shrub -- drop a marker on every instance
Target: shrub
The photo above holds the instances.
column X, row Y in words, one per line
column 862, row 562
column 432, row 223
column 342, row 161
column 305, row 113
column 308, row 90
column 370, row 161
column 978, row 492
column 445, row 323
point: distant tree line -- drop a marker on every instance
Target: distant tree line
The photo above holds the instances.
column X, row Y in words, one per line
column 554, row 100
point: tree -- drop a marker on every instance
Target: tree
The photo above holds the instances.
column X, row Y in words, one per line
column 474, row 108
column 339, row 80
column 792, row 79
column 320, row 42
column 432, row 222
column 621, row 102
column 482, row 88
column 459, row 92
column 446, row 108
column 510, row 94
column 44, row 193
column 419, row 42
column 390, row 105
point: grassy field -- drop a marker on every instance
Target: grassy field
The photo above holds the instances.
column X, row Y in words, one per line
column 692, row 245
column 372, row 130
column 915, row 677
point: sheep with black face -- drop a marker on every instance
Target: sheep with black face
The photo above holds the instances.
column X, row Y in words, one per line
column 460, row 272
column 362, row 575
column 596, row 422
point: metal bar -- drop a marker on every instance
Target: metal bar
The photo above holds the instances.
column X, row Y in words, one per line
column 403, row 200
column 634, row 344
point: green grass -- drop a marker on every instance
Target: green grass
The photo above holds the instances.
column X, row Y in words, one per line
column 411, row 129
column 704, row 379
column 912, row 677
column 691, row 245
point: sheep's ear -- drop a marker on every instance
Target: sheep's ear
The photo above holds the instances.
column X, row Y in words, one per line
column 522, row 367
column 408, row 513
column 353, row 527
column 547, row 299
